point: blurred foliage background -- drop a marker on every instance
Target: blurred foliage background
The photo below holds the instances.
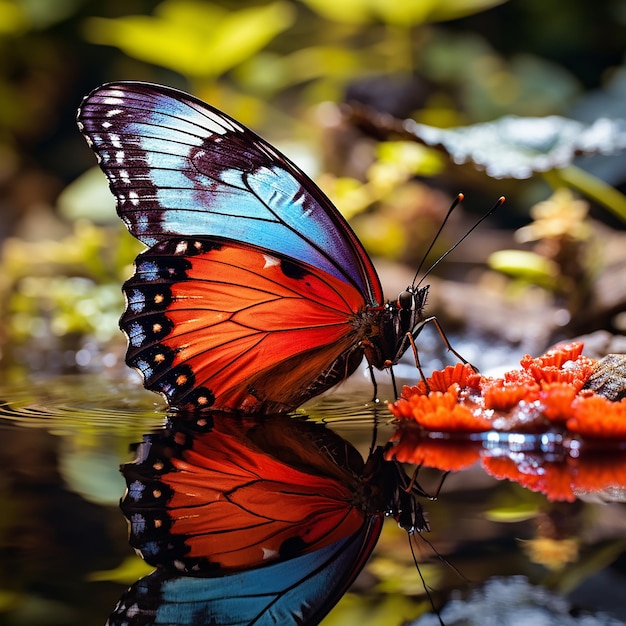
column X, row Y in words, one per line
column 548, row 264
column 284, row 67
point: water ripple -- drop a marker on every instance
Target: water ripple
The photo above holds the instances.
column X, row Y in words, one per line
column 69, row 401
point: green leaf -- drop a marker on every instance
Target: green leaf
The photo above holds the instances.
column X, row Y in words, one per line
column 196, row 39
column 527, row 266
column 88, row 197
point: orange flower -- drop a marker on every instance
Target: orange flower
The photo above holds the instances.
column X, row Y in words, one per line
column 596, row 417
column 522, row 377
column 440, row 411
column 416, row 390
column 441, row 380
column 502, row 395
column 577, row 375
column 547, row 390
column 561, row 364
column 556, row 357
column 556, row 399
column 462, row 374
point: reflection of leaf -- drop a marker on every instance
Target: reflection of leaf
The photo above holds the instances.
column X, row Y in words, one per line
column 516, row 147
column 126, row 572
column 193, row 38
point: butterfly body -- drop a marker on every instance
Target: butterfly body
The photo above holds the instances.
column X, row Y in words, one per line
column 255, row 294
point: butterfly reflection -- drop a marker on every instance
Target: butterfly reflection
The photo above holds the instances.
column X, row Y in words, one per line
column 254, row 522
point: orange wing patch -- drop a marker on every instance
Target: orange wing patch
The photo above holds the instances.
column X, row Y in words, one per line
column 254, row 329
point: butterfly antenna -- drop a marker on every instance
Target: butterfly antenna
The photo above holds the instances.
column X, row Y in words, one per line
column 498, row 203
column 453, row 206
column 426, row 587
column 445, row 561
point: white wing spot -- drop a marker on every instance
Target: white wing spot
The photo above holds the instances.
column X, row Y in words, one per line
column 114, row 138
column 270, row 261
column 269, row 554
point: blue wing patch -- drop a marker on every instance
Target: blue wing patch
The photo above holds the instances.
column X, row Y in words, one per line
column 180, row 167
column 299, row 591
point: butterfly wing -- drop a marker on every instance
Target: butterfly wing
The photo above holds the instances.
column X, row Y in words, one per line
column 276, row 322
column 180, row 167
column 299, row 591
column 223, row 494
column 229, row 326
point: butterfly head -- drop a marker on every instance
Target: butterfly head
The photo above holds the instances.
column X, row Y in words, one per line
column 410, row 308
column 402, row 318
column 390, row 330
column 402, row 500
column 394, row 492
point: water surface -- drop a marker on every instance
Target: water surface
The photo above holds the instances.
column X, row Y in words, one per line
column 66, row 558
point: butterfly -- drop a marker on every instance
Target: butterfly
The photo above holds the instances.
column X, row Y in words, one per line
column 254, row 521
column 254, row 294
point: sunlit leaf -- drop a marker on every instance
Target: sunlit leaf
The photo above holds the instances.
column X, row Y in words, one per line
column 411, row 158
column 514, row 513
column 421, row 11
column 267, row 71
column 194, row 38
column 404, row 13
column 408, row 13
column 347, row 11
column 527, row 266
column 516, row 147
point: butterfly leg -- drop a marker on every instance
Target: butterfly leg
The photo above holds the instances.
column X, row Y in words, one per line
column 374, row 383
column 409, row 339
column 412, row 337
column 393, row 382
column 446, row 341
column 415, row 487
